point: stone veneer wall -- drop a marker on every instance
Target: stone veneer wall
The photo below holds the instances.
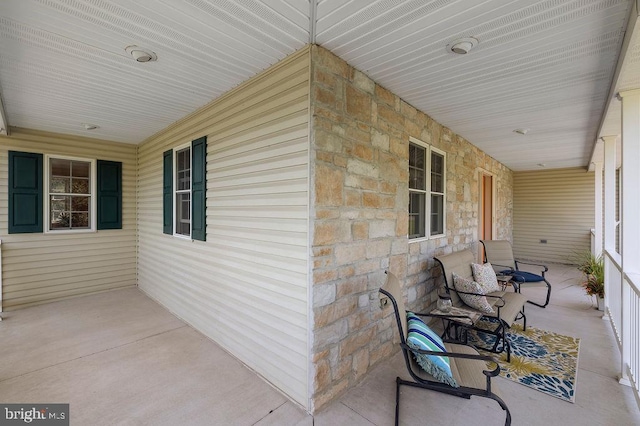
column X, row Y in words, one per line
column 359, row 159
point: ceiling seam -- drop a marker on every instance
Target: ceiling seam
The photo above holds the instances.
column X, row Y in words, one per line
column 313, row 9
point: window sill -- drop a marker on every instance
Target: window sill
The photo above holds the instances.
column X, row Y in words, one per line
column 71, row 231
column 421, row 239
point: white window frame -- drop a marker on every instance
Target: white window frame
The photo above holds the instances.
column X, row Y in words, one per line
column 176, row 191
column 427, row 217
column 93, row 210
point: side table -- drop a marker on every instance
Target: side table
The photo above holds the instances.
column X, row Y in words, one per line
column 457, row 319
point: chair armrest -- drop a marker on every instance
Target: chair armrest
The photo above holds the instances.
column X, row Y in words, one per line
column 506, row 268
column 449, row 354
column 545, row 269
column 442, row 316
column 485, row 295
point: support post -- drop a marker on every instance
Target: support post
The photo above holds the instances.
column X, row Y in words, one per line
column 630, row 206
column 596, row 250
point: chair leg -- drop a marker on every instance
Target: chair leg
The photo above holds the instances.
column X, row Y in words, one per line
column 397, row 400
column 546, row 302
column 499, row 400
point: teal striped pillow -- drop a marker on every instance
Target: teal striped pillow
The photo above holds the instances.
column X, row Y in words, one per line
column 420, row 336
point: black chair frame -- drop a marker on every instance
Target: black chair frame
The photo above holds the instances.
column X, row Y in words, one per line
column 419, row 382
column 500, row 332
column 517, row 284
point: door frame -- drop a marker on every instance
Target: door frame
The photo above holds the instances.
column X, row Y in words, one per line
column 481, row 174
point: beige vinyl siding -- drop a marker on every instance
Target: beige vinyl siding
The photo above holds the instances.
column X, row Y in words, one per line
column 246, row 286
column 553, row 205
column 39, row 268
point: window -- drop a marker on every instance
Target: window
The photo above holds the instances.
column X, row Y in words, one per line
column 183, row 191
column 427, row 183
column 70, row 201
column 68, row 194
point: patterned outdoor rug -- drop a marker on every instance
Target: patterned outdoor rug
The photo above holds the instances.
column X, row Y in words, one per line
column 540, row 359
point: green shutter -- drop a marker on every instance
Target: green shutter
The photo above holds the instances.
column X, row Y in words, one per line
column 199, row 189
column 25, row 192
column 109, row 194
column 167, row 192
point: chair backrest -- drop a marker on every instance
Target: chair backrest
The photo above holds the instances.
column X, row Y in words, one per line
column 460, row 263
column 500, row 254
column 392, row 288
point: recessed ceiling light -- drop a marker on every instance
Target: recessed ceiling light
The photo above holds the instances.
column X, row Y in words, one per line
column 141, row 54
column 462, row 46
column 521, row 131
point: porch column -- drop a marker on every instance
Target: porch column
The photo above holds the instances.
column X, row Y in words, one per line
column 596, row 250
column 630, row 222
column 610, row 193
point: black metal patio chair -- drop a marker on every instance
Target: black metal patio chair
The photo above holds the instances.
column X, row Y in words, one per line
column 468, row 367
column 500, row 254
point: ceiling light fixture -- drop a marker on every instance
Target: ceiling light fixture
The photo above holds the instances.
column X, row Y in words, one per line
column 462, row 46
column 542, row 165
column 141, row 54
column 88, row 126
column 521, row 131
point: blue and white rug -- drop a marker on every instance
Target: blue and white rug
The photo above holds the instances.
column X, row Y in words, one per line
column 540, row 359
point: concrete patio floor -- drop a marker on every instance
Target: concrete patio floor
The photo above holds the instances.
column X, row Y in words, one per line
column 120, row 358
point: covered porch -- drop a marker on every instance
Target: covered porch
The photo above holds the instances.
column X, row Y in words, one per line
column 255, row 167
column 120, row 358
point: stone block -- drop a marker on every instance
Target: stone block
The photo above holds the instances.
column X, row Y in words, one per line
column 350, row 253
column 363, row 82
column 412, row 129
column 323, row 276
column 358, row 104
column 399, row 148
column 402, row 224
column 384, row 95
column 330, row 142
column 322, row 251
column 324, row 96
column 367, row 267
column 323, row 375
column 332, row 64
column 353, row 285
column 340, row 161
column 327, row 233
column 360, row 230
column 328, row 314
column 331, row 334
column 408, row 111
column 361, row 182
column 363, row 168
column 346, row 271
column 382, row 229
column 390, row 116
column 356, row 341
column 323, row 294
column 328, row 113
column 324, row 78
column 363, row 300
column 353, row 198
column 400, row 246
column 360, row 362
column 378, row 248
column 380, row 140
column 359, row 320
column 361, row 151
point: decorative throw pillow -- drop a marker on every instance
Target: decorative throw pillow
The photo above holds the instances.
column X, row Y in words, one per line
column 420, row 336
column 486, row 277
column 476, row 301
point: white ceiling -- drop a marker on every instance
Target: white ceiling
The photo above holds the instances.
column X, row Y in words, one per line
column 543, row 65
